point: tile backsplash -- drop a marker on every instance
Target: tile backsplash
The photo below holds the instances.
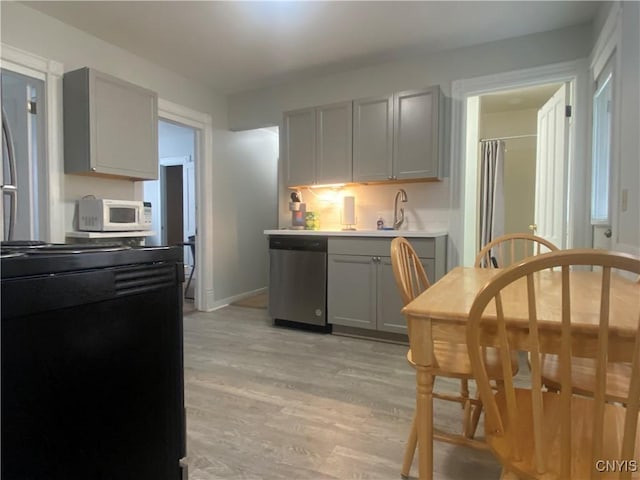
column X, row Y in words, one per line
column 427, row 206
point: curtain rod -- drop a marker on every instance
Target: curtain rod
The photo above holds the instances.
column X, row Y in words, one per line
column 506, row 138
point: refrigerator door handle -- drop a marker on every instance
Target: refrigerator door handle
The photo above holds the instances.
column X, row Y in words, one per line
column 12, row 192
column 10, row 189
column 7, row 139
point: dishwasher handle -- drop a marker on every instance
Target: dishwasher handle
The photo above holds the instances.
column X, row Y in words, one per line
column 307, row 244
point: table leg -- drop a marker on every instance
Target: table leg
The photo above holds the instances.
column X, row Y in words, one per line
column 424, row 408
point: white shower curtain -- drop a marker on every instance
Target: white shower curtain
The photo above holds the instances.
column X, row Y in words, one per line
column 491, row 191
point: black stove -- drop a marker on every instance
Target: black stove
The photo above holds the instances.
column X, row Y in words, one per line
column 91, row 362
column 31, row 257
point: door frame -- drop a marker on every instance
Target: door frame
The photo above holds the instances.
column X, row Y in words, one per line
column 607, row 47
column 50, row 72
column 202, row 123
column 463, row 187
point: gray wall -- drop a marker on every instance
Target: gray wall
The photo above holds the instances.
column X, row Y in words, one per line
column 245, row 196
column 264, row 107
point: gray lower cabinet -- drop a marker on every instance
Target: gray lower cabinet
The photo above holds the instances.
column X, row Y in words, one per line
column 110, row 126
column 388, row 301
column 352, row 290
column 361, row 288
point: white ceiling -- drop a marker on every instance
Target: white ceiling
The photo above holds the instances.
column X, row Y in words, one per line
column 237, row 45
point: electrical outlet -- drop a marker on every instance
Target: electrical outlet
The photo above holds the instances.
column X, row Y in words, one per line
column 625, row 200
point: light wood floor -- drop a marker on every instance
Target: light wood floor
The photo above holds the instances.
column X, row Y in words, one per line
column 265, row 402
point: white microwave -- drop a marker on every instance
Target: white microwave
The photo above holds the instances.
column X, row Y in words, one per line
column 104, row 215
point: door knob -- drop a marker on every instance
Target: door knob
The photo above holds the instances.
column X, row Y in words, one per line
column 533, row 227
column 607, row 233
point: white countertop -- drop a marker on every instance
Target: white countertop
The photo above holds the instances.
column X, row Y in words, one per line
column 358, row 233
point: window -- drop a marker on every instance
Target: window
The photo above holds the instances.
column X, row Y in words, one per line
column 601, row 147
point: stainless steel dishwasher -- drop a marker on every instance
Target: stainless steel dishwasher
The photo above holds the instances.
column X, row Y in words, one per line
column 298, row 281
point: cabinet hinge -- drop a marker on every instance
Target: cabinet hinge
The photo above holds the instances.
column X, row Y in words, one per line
column 567, row 111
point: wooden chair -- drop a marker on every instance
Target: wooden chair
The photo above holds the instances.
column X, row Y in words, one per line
column 451, row 360
column 583, row 375
column 540, row 434
column 508, row 249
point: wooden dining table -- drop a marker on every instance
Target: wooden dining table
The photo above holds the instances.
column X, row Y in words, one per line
column 441, row 313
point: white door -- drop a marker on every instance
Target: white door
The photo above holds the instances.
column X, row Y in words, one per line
column 551, row 169
column 601, row 185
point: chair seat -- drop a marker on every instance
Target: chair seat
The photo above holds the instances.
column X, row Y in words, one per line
column 582, row 427
column 452, row 361
column 583, row 376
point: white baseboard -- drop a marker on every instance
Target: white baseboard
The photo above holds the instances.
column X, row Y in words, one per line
column 226, row 301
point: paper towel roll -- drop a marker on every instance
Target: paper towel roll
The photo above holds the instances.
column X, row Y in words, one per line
column 349, row 210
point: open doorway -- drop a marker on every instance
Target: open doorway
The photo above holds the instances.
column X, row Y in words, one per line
column 462, row 246
column 173, row 195
column 522, row 123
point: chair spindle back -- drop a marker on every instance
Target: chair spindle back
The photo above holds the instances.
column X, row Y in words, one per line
column 509, row 249
column 534, row 432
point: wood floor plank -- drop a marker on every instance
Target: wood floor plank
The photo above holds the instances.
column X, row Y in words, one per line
column 273, row 403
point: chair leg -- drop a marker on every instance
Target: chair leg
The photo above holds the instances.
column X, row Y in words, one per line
column 464, row 389
column 186, row 289
column 508, row 475
column 466, row 405
column 475, row 418
column 410, row 449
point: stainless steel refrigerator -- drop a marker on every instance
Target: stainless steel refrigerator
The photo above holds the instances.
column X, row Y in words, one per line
column 22, row 178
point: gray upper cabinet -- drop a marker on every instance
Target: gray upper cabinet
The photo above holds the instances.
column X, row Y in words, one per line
column 299, row 146
column 317, row 145
column 373, row 139
column 399, row 137
column 110, row 126
column 417, row 131
column 334, row 146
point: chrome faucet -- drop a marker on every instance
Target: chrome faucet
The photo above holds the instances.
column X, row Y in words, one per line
column 402, row 195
